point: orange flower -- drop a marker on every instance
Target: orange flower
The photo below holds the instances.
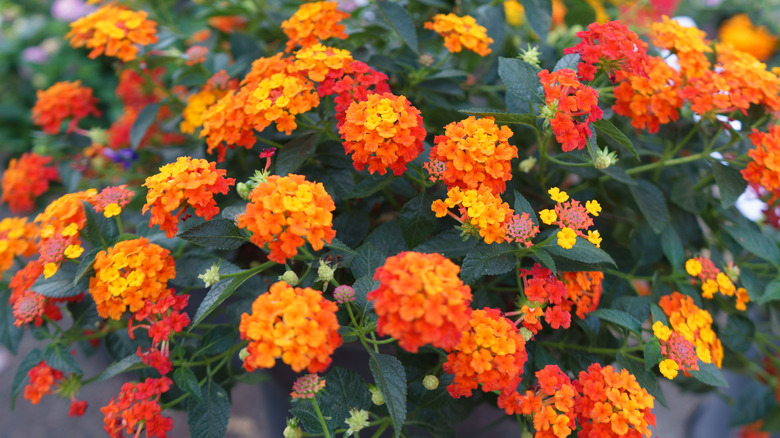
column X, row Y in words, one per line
column 739, row 32
column 713, row 280
column 384, row 131
column 61, row 101
column 297, row 325
column 42, row 378
column 138, row 407
column 60, row 224
column 584, row 290
column 316, row 61
column 491, row 352
column 612, row 403
column 226, row 125
column 113, row 30
column 228, row 23
column 551, row 405
column 128, row 274
column 28, row 305
column 611, row 47
column 197, row 104
column 192, row 182
column 25, row 179
column 17, row 239
column 650, row 102
column 764, row 169
column 460, row 32
column 312, row 22
column 278, row 99
column 571, row 107
column 694, row 324
column 421, row 301
column 476, row 152
column 481, row 212
column 283, row 211
column 688, row 43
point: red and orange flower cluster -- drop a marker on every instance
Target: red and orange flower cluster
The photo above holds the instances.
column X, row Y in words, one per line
column 571, row 108
column 216, row 87
column 694, row 325
column 113, row 30
column 461, row 32
column 610, row 47
column 45, row 380
column 19, row 189
column 137, row 407
column 313, row 22
column 62, row 101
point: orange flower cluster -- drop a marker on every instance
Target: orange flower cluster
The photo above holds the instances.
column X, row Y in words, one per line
column 650, row 101
column 283, row 211
column 113, row 30
column 713, row 280
column 571, row 107
column 128, row 274
column 572, row 218
column 353, row 83
column 688, row 43
column 384, row 131
column 17, row 239
column 316, row 61
column 739, row 32
column 25, row 179
column 694, row 324
column 61, row 101
column 613, row 48
column 475, row 152
column 138, row 407
column 296, row 324
column 278, row 99
column 543, row 289
column 679, row 352
column 762, row 170
column 60, row 224
column 552, row 405
column 42, row 379
column 111, row 200
column 313, row 22
column 461, row 32
column 197, row 104
column 421, row 301
column 491, row 352
column 612, row 404
column 584, row 290
column 188, row 181
column 481, row 212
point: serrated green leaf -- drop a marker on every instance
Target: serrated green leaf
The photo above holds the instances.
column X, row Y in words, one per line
column 308, row 418
column 208, row 415
column 754, row 402
column 620, row 318
column 99, row 230
column 618, row 174
column 709, row 374
column 367, row 259
column 544, row 258
column 672, row 247
column 399, row 20
column 523, row 206
column 60, row 285
column 652, row 353
column 607, row 128
column 643, row 377
column 651, row 203
column 85, row 266
column 30, row 361
column 363, row 286
column 750, row 237
column 538, row 13
column 387, row 238
column 771, row 292
column 485, row 259
column 370, row 185
column 142, row 123
column 128, row 363
column 738, row 333
column 731, row 184
column 569, row 61
column 503, row 117
column 582, row 251
column 217, row 233
column 346, row 390
column 185, row 379
column 10, row 334
column 59, row 357
column 521, row 80
column 217, row 340
column 390, row 378
column 449, row 244
column 217, row 294
column 295, row 153
column 417, row 220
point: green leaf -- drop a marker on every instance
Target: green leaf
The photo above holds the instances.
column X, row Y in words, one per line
column 399, row 20
column 308, row 418
column 709, row 374
column 544, row 258
column 485, row 259
column 738, row 333
column 643, row 377
column 390, row 378
column 185, row 379
column 142, row 123
column 652, row 353
column 30, row 361
column 658, row 314
column 672, row 247
column 367, row 259
column 538, row 14
column 217, row 233
column 217, row 294
column 618, row 174
column 417, row 220
column 620, row 318
column 771, row 293
column 59, row 357
column 10, row 334
column 582, row 251
column 569, row 61
column 60, row 285
column 363, row 286
column 750, row 237
column 217, row 340
column 521, row 80
column 607, row 128
column 388, row 238
column 651, row 203
column 731, row 184
column 128, row 363
column 208, row 414
column 503, row 117
column 370, row 185
column 295, row 153
column 754, row 402
column 449, row 244
column 523, row 206
column 345, row 390
column 99, row 230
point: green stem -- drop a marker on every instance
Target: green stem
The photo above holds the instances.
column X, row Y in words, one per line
column 567, row 163
column 320, row 417
column 257, row 269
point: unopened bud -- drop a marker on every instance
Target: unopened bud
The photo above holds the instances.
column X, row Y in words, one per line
column 325, row 272
column 430, row 382
column 426, row 59
column 211, row 276
column 526, row 165
column 292, row 430
column 290, row 278
column 548, row 111
column 243, row 190
column 604, row 158
column 98, row 136
column 344, row 294
column 357, row 421
column 376, row 395
column 243, row 353
column 530, row 55
column 526, row 334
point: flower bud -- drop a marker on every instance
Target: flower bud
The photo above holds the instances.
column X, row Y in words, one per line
column 604, row 158
column 376, row 395
column 243, row 190
column 526, row 165
column 527, row 334
column 243, row 353
column 292, row 430
column 211, row 276
column 290, row 278
column 325, row 272
column 98, row 136
column 430, row 382
column 530, row 55
column 357, row 421
column 344, row 294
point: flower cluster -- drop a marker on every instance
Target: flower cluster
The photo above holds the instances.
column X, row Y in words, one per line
column 694, row 324
column 62, row 101
column 25, row 179
column 421, row 301
column 481, row 212
column 611, row 47
column 543, row 289
column 60, row 224
column 286, row 212
column 475, row 152
column 679, row 352
column 111, row 200
column 307, row 386
column 188, row 181
column 762, row 170
column 352, row 83
column 571, row 107
column 137, row 407
column 572, row 218
column 17, row 239
column 461, row 32
column 552, row 405
column 129, row 274
column 491, row 352
column 113, row 30
column 42, row 379
column 27, row 305
column 296, row 324
column 714, row 280
column 163, row 318
column 584, row 290
column 278, row 99
column 313, row 22
column 216, row 87
column 383, row 132
column 688, row 43
column 521, row 229
column 739, row 32
column 650, row 101
column 317, row 60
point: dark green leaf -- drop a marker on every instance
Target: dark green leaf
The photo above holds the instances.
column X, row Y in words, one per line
column 651, row 203
column 387, row 239
column 346, row 390
column 128, row 363
column 217, row 294
column 731, row 184
column 217, row 233
column 487, row 259
column 538, row 13
column 545, row 258
column 521, row 80
column 196, row 262
column 60, row 285
column 295, row 153
column 753, row 403
column 582, row 251
column 85, row 266
column 253, row 378
column 569, row 61
column 523, row 206
column 308, row 418
column 607, row 128
column 30, row 361
column 217, row 340
column 618, row 174
column 59, row 357
column 185, row 379
column 142, row 123
column 208, row 414
column 99, row 230
column 370, row 185
column 503, row 117
column 70, row 177
column 396, row 16
column 10, row 334
column 620, row 318
column 390, row 378
column 366, row 261
column 449, row 244
column 738, row 333
column 417, row 220
column 652, row 353
column 672, row 247
column 363, row 286
column 750, row 237
column 709, row 374
column 771, row 293
column 643, row 377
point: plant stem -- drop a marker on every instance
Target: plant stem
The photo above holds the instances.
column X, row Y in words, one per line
column 320, row 417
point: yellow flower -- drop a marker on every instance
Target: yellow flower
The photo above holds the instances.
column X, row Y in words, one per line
column 708, row 288
column 567, row 238
column 548, row 216
column 693, row 267
column 669, row 368
column 557, row 195
column 661, row 331
column 595, row 238
column 593, row 207
column 49, row 270
column 703, row 352
column 70, row 230
column 73, row 251
column 112, row 210
column 514, row 12
column 726, row 286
